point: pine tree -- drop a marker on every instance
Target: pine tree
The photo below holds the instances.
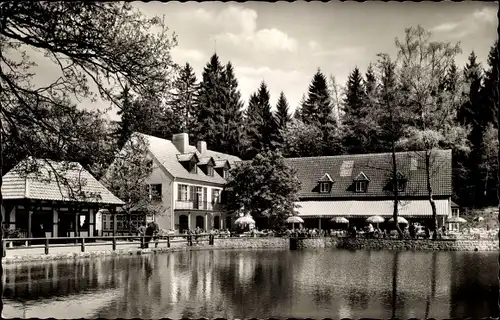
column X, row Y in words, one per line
column 232, row 132
column 354, row 138
column 210, row 111
column 373, row 143
column 298, row 111
column 318, row 111
column 126, row 123
column 490, row 97
column 282, row 112
column 261, row 125
column 183, row 104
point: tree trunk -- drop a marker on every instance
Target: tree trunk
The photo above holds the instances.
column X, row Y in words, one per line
column 429, row 193
column 395, row 189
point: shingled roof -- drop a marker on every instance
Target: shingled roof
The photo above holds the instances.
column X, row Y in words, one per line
column 79, row 185
column 167, row 155
column 377, row 167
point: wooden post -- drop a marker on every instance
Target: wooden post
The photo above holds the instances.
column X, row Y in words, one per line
column 83, row 244
column 168, row 241
column 115, row 222
column 114, row 243
column 143, row 242
column 46, row 245
column 29, row 225
column 4, row 249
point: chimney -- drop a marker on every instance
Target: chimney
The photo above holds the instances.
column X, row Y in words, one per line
column 181, row 142
column 201, row 146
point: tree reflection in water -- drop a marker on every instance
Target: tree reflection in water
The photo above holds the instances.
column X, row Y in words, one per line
column 267, row 283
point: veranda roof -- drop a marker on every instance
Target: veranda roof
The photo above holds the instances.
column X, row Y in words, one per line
column 71, row 183
column 365, row 208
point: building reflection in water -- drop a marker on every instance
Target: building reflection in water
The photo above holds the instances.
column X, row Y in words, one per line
column 258, row 283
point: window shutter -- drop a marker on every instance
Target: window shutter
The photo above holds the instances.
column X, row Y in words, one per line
column 205, row 194
column 179, row 193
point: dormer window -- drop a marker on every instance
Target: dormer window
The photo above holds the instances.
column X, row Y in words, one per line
column 325, row 183
column 225, row 173
column 360, row 186
column 188, row 161
column 361, row 182
column 400, row 182
column 207, row 164
column 401, row 185
column 324, row 187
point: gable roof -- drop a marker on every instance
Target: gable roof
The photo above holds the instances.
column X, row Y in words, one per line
column 361, row 177
column 221, row 164
column 166, row 153
column 326, row 178
column 376, row 166
column 81, row 186
column 206, row 160
column 187, row 157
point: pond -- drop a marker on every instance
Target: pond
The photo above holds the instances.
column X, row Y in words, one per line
column 258, row 283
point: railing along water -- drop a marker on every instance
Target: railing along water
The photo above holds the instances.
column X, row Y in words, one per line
column 113, row 241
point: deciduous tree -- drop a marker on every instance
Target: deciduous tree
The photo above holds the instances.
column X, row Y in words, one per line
column 423, row 66
column 265, row 187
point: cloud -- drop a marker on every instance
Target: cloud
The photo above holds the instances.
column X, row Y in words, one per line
column 313, row 45
column 445, row 27
column 470, row 24
column 240, row 30
column 343, row 52
column 292, row 82
column 181, row 55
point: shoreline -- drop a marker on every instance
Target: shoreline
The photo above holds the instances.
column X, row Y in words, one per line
column 72, row 252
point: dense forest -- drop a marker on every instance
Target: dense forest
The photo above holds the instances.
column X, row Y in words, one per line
column 417, row 100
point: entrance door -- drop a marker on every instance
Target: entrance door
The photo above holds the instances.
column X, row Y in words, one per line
column 217, row 222
column 200, row 222
column 183, row 223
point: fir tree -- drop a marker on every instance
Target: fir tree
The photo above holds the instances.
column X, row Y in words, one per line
column 354, row 113
column 282, row 112
column 261, row 125
column 125, row 125
column 183, row 104
column 210, row 111
column 298, row 111
column 232, row 135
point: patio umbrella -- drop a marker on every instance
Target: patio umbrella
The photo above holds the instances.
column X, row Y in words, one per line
column 339, row 220
column 400, row 220
column 375, row 219
column 293, row 220
column 456, row 220
column 245, row 220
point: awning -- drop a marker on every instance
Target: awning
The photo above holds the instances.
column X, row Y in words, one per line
column 360, row 208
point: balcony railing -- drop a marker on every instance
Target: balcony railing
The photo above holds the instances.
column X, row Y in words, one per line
column 198, row 205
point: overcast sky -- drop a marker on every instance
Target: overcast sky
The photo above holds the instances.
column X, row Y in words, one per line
column 285, row 43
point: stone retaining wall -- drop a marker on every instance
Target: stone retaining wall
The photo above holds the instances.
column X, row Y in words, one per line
column 386, row 244
column 71, row 252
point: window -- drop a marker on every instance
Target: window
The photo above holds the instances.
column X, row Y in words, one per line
column 155, row 191
column 401, row 185
column 225, row 173
column 324, row 187
column 149, row 164
column 360, row 186
column 210, row 170
column 182, row 192
column 215, row 195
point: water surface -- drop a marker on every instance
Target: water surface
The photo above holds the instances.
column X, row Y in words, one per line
column 258, row 283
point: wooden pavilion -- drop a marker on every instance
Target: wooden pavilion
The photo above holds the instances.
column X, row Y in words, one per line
column 43, row 198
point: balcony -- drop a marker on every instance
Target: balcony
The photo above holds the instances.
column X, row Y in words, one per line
column 198, row 205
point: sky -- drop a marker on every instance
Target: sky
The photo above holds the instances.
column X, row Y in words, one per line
column 285, row 43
